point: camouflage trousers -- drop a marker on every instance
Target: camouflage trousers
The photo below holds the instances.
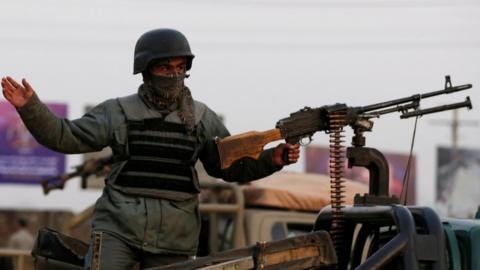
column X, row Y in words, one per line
column 109, row 252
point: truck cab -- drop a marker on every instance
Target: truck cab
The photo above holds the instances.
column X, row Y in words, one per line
column 282, row 205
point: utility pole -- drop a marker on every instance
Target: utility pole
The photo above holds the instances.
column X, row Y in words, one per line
column 455, row 130
column 454, row 127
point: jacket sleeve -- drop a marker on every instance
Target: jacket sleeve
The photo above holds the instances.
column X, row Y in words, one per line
column 243, row 170
column 91, row 132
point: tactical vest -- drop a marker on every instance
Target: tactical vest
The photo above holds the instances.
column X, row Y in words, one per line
column 161, row 153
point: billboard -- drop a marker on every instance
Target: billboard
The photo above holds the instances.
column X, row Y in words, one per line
column 317, row 161
column 458, row 182
column 22, row 159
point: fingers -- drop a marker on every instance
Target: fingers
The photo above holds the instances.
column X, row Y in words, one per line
column 9, row 84
column 13, row 82
column 7, row 89
column 292, row 146
column 15, row 93
column 293, row 152
column 28, row 87
column 4, row 88
column 7, row 94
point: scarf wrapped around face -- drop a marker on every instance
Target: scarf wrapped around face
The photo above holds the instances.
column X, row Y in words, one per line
column 169, row 93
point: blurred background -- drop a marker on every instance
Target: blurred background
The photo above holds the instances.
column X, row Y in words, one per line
column 256, row 61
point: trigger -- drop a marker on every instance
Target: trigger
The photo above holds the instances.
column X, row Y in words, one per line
column 304, row 142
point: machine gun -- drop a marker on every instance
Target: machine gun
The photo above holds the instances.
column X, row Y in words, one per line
column 340, row 220
column 89, row 167
column 307, row 121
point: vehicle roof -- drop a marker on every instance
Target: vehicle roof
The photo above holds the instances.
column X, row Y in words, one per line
column 297, row 191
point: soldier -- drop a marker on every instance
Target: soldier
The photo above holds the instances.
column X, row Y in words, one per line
column 148, row 211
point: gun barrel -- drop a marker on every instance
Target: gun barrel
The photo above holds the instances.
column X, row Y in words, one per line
column 467, row 103
column 417, row 97
column 398, row 108
column 447, row 90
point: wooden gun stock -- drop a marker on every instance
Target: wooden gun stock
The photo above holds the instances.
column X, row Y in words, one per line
column 249, row 144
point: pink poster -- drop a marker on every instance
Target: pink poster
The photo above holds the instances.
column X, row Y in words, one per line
column 22, row 159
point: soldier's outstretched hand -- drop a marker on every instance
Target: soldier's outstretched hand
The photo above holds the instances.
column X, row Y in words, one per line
column 292, row 154
column 18, row 95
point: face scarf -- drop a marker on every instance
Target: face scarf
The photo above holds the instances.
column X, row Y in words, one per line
column 164, row 93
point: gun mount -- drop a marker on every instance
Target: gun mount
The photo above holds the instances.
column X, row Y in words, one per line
column 337, row 219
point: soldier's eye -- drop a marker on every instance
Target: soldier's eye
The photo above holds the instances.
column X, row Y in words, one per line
column 181, row 69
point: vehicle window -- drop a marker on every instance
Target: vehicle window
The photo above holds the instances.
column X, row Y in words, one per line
column 294, row 229
column 222, row 234
column 225, row 232
column 278, row 231
column 281, row 230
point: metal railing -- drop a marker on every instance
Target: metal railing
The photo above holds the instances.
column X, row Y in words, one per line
column 22, row 259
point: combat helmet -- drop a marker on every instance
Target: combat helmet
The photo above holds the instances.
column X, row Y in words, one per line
column 160, row 43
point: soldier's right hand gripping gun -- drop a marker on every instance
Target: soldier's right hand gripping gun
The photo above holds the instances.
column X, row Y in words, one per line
column 94, row 166
column 305, row 122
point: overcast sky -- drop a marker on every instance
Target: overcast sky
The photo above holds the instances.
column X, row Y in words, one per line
column 256, row 62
